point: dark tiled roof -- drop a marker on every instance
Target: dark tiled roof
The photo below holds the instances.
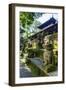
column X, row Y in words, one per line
column 50, row 30
column 47, row 23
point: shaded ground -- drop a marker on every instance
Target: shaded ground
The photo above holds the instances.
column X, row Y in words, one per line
column 25, row 71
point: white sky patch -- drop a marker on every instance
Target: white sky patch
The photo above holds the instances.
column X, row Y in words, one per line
column 46, row 17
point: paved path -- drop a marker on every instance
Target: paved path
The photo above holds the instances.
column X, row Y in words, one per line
column 39, row 63
column 25, row 71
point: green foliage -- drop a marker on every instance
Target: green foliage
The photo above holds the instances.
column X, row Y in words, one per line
column 50, row 68
column 26, row 18
column 35, row 70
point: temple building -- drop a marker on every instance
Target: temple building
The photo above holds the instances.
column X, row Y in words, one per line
column 47, row 41
column 47, row 28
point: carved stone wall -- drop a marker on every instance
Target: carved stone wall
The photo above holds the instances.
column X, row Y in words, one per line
column 49, row 48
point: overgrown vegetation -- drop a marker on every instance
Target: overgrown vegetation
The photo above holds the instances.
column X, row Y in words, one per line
column 43, row 47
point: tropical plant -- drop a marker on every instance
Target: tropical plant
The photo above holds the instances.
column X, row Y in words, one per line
column 26, row 19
